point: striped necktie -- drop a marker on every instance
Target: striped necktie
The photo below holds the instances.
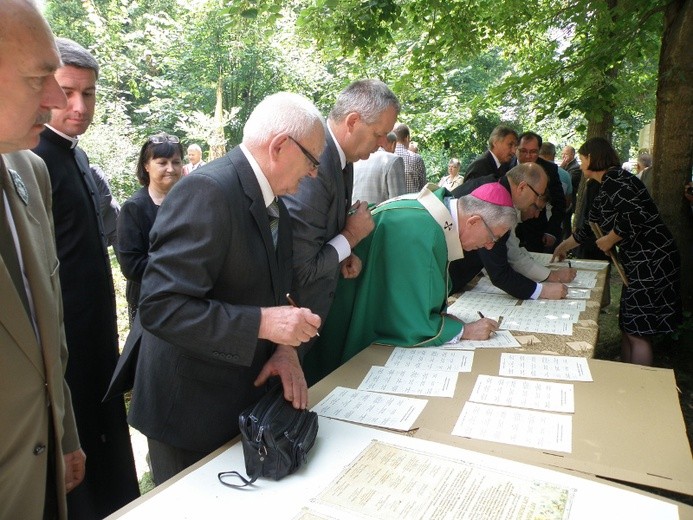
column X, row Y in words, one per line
column 273, row 214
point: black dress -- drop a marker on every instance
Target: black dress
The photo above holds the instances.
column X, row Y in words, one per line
column 134, row 224
column 651, row 303
column 91, row 332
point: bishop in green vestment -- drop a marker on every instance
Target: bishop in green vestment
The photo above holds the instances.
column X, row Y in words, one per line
column 400, row 296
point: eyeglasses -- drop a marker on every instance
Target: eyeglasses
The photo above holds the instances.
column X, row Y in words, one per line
column 163, row 138
column 494, row 238
column 539, row 195
column 308, row 155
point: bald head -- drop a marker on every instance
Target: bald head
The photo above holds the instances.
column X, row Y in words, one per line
column 28, row 61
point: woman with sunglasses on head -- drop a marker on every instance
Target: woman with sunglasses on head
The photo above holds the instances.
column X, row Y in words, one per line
column 159, row 167
column 629, row 219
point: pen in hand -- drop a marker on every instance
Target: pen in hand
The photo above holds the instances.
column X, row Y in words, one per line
column 480, row 315
column 294, row 304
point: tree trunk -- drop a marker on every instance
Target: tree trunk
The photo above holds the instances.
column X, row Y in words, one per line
column 673, row 143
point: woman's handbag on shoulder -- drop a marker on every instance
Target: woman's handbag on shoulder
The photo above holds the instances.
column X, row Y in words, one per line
column 276, row 438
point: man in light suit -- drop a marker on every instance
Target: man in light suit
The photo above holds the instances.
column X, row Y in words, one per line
column 40, row 455
column 495, row 161
column 324, row 233
column 214, row 295
column 381, row 176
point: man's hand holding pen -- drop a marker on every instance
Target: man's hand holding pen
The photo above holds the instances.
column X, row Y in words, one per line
column 359, row 223
column 288, row 325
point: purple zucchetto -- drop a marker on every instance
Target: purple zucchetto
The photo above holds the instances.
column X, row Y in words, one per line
column 494, row 193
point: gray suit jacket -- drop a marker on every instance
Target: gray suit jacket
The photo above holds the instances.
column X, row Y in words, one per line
column 318, row 212
column 33, row 391
column 212, row 265
column 378, row 178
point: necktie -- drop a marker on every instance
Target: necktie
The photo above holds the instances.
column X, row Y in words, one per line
column 8, row 250
column 273, row 214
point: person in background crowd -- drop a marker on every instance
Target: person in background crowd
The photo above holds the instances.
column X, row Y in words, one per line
column 495, row 161
column 628, row 217
column 644, row 170
column 453, row 179
column 381, row 176
column 159, row 168
column 414, row 167
column 40, row 455
column 88, row 294
column 195, row 158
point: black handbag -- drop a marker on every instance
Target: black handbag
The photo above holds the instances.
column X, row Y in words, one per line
column 276, row 438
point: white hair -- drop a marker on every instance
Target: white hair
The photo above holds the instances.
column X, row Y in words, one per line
column 283, row 112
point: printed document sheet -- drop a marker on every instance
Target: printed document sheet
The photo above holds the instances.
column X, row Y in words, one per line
column 523, row 393
column 431, row 359
column 501, row 339
column 383, row 410
column 413, row 382
column 541, row 430
column 565, row 368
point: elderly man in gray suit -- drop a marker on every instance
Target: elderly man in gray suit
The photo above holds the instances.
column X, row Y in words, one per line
column 325, row 228
column 40, row 455
column 381, row 176
column 214, row 295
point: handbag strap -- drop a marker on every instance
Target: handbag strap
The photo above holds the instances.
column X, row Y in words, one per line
column 224, row 474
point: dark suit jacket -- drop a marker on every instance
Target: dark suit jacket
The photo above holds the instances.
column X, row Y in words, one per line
column 212, row 265
column 484, row 165
column 495, row 260
column 31, row 372
column 318, row 212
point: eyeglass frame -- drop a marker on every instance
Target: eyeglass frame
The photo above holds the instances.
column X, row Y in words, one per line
column 163, row 138
column 494, row 238
column 308, row 155
column 539, row 195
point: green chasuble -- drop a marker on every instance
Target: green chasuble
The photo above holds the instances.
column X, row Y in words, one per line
column 398, row 298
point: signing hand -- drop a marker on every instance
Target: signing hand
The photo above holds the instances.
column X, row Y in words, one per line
column 480, row 330
column 288, row 325
column 553, row 291
column 563, row 275
column 359, row 223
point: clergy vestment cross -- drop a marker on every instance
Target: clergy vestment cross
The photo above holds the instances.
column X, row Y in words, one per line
column 448, row 226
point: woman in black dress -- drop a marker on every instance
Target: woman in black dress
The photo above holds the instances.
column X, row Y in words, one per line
column 628, row 217
column 159, row 167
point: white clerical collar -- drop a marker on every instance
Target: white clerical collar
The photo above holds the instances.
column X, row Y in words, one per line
column 267, row 194
column 342, row 155
column 73, row 140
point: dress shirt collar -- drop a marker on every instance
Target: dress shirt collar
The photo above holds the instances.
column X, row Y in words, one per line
column 498, row 163
column 268, row 195
column 342, row 155
column 73, row 140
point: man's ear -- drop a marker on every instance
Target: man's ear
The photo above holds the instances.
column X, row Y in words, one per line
column 351, row 119
column 277, row 145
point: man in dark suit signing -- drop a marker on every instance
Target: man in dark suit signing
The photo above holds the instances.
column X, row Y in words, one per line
column 40, row 454
column 325, row 231
column 495, row 161
column 213, row 303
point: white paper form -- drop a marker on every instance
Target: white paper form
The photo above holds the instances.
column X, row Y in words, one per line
column 383, row 410
column 590, row 265
column 529, row 323
column 556, row 305
column 584, row 279
column 412, row 382
column 565, row 368
column 501, row 339
column 577, row 293
column 468, row 306
column 541, row 258
column 541, row 313
column 541, row 430
column 522, row 393
column 430, row 359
